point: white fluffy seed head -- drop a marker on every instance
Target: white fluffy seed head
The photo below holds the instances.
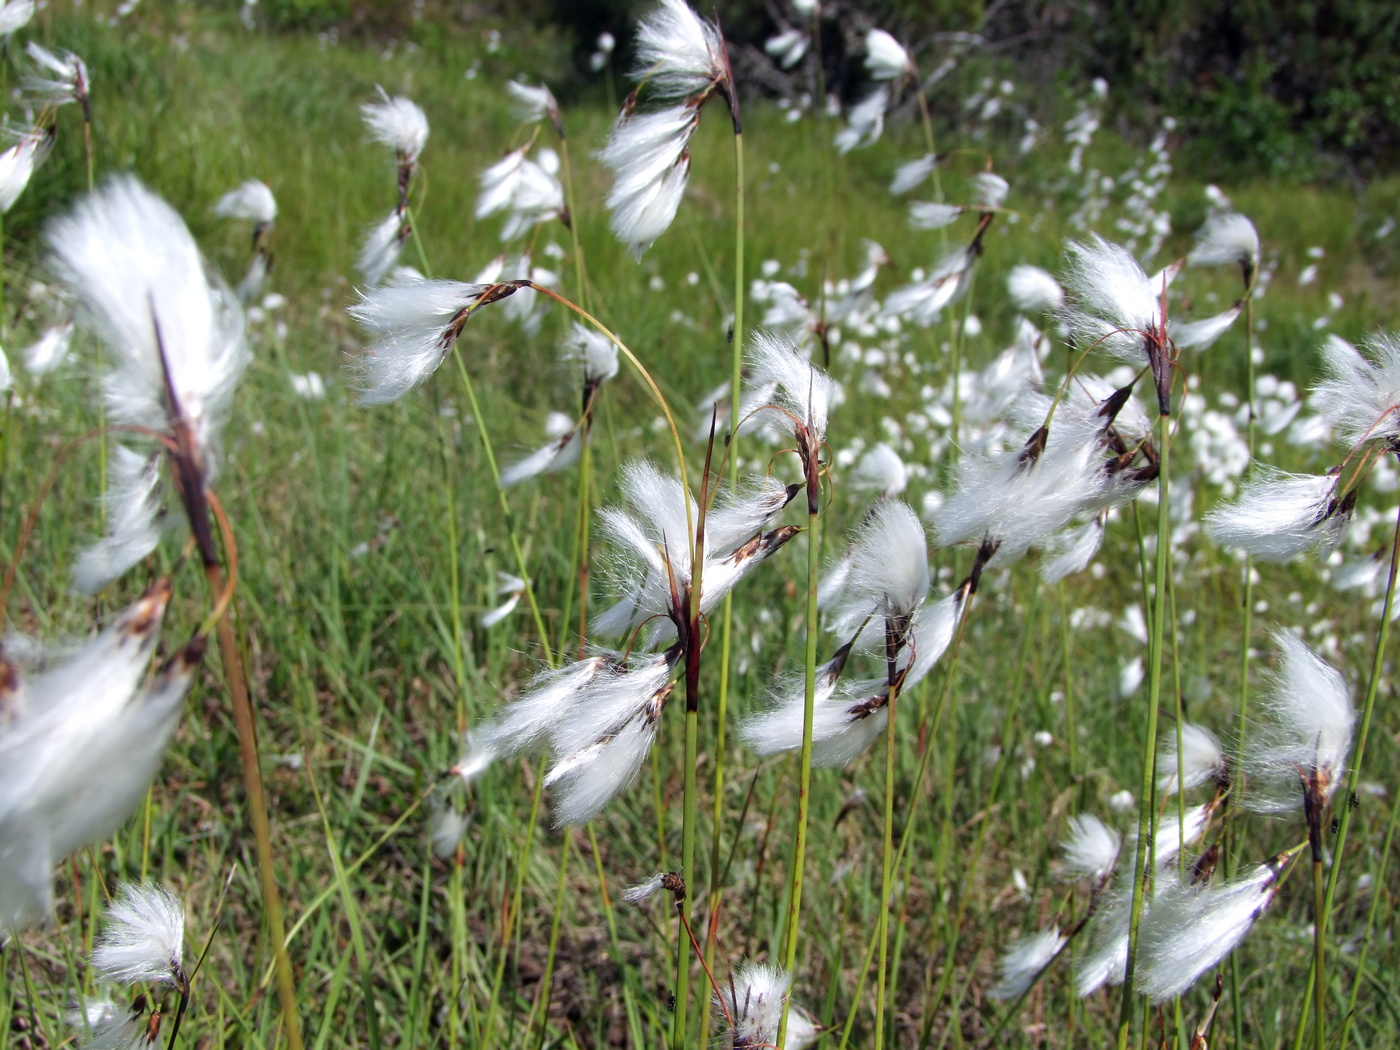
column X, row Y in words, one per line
column 398, row 123
column 647, row 153
column 1306, row 730
column 1202, row 759
column 1023, row 962
column 679, row 54
column 1189, row 929
column 885, row 57
column 1360, row 396
column 595, row 352
column 532, row 104
column 1114, row 302
column 1278, row 516
column 69, row 80
column 912, row 173
column 801, row 388
column 17, row 164
column 133, row 502
column 144, row 938
column 130, row 260
column 889, row 565
column 1034, row 290
column 1227, row 238
column 252, row 200
column 1200, row 335
column 1090, row 849
column 752, row 1000
column 412, row 323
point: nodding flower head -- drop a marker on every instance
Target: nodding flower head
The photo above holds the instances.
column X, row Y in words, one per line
column 398, row 123
column 1116, row 307
column 1023, row 962
column 1360, row 397
column 253, row 200
column 1297, row 752
column 682, row 61
column 68, row 80
column 144, row 939
column 414, row 323
column 1190, row 928
column 176, row 339
column 1227, row 239
column 533, row 104
column 1278, row 516
column 802, row 398
column 680, row 55
column 751, row 1001
column 885, row 57
column 653, row 537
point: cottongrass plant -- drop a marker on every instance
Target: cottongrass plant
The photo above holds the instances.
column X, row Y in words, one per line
column 175, row 341
column 400, row 124
column 681, row 62
column 80, row 741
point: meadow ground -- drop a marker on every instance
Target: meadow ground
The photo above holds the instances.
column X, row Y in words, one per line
column 358, row 608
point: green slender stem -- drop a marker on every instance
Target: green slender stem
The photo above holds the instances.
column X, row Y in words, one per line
column 679, row 1027
column 915, row 796
column 580, row 271
column 1180, row 772
column 506, row 515
column 1232, row 854
column 1377, row 883
column 886, row 866
column 1354, row 777
column 1145, row 856
column 1070, row 730
column 727, row 615
column 804, row 786
column 1319, row 956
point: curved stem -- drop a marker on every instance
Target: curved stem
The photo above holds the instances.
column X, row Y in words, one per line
column 505, row 507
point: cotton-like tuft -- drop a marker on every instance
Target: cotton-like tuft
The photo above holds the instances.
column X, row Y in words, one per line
column 1200, row 335
column 1202, row 759
column 1189, row 929
column 1305, row 730
column 989, row 190
column 679, row 54
column 1114, row 302
column 1034, row 290
column 1278, row 516
column 1091, row 848
column 865, row 121
column 413, row 324
column 17, row 164
column 252, row 200
column 647, row 153
column 1227, row 238
column 143, row 939
column 68, row 79
column 885, row 57
column 752, row 999
column 889, row 566
column 1360, row 394
column 533, row 104
column 133, row 265
column 398, row 123
column 913, row 173
column 1023, row 962
column 930, row 215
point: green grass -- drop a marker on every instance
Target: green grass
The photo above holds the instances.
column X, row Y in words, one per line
column 351, row 655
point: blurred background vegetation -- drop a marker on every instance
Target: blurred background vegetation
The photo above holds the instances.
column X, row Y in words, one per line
column 1296, row 89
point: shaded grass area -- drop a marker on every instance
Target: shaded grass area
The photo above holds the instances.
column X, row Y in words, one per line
column 345, row 596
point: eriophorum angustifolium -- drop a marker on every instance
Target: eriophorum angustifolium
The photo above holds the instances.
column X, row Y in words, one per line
column 507, row 742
